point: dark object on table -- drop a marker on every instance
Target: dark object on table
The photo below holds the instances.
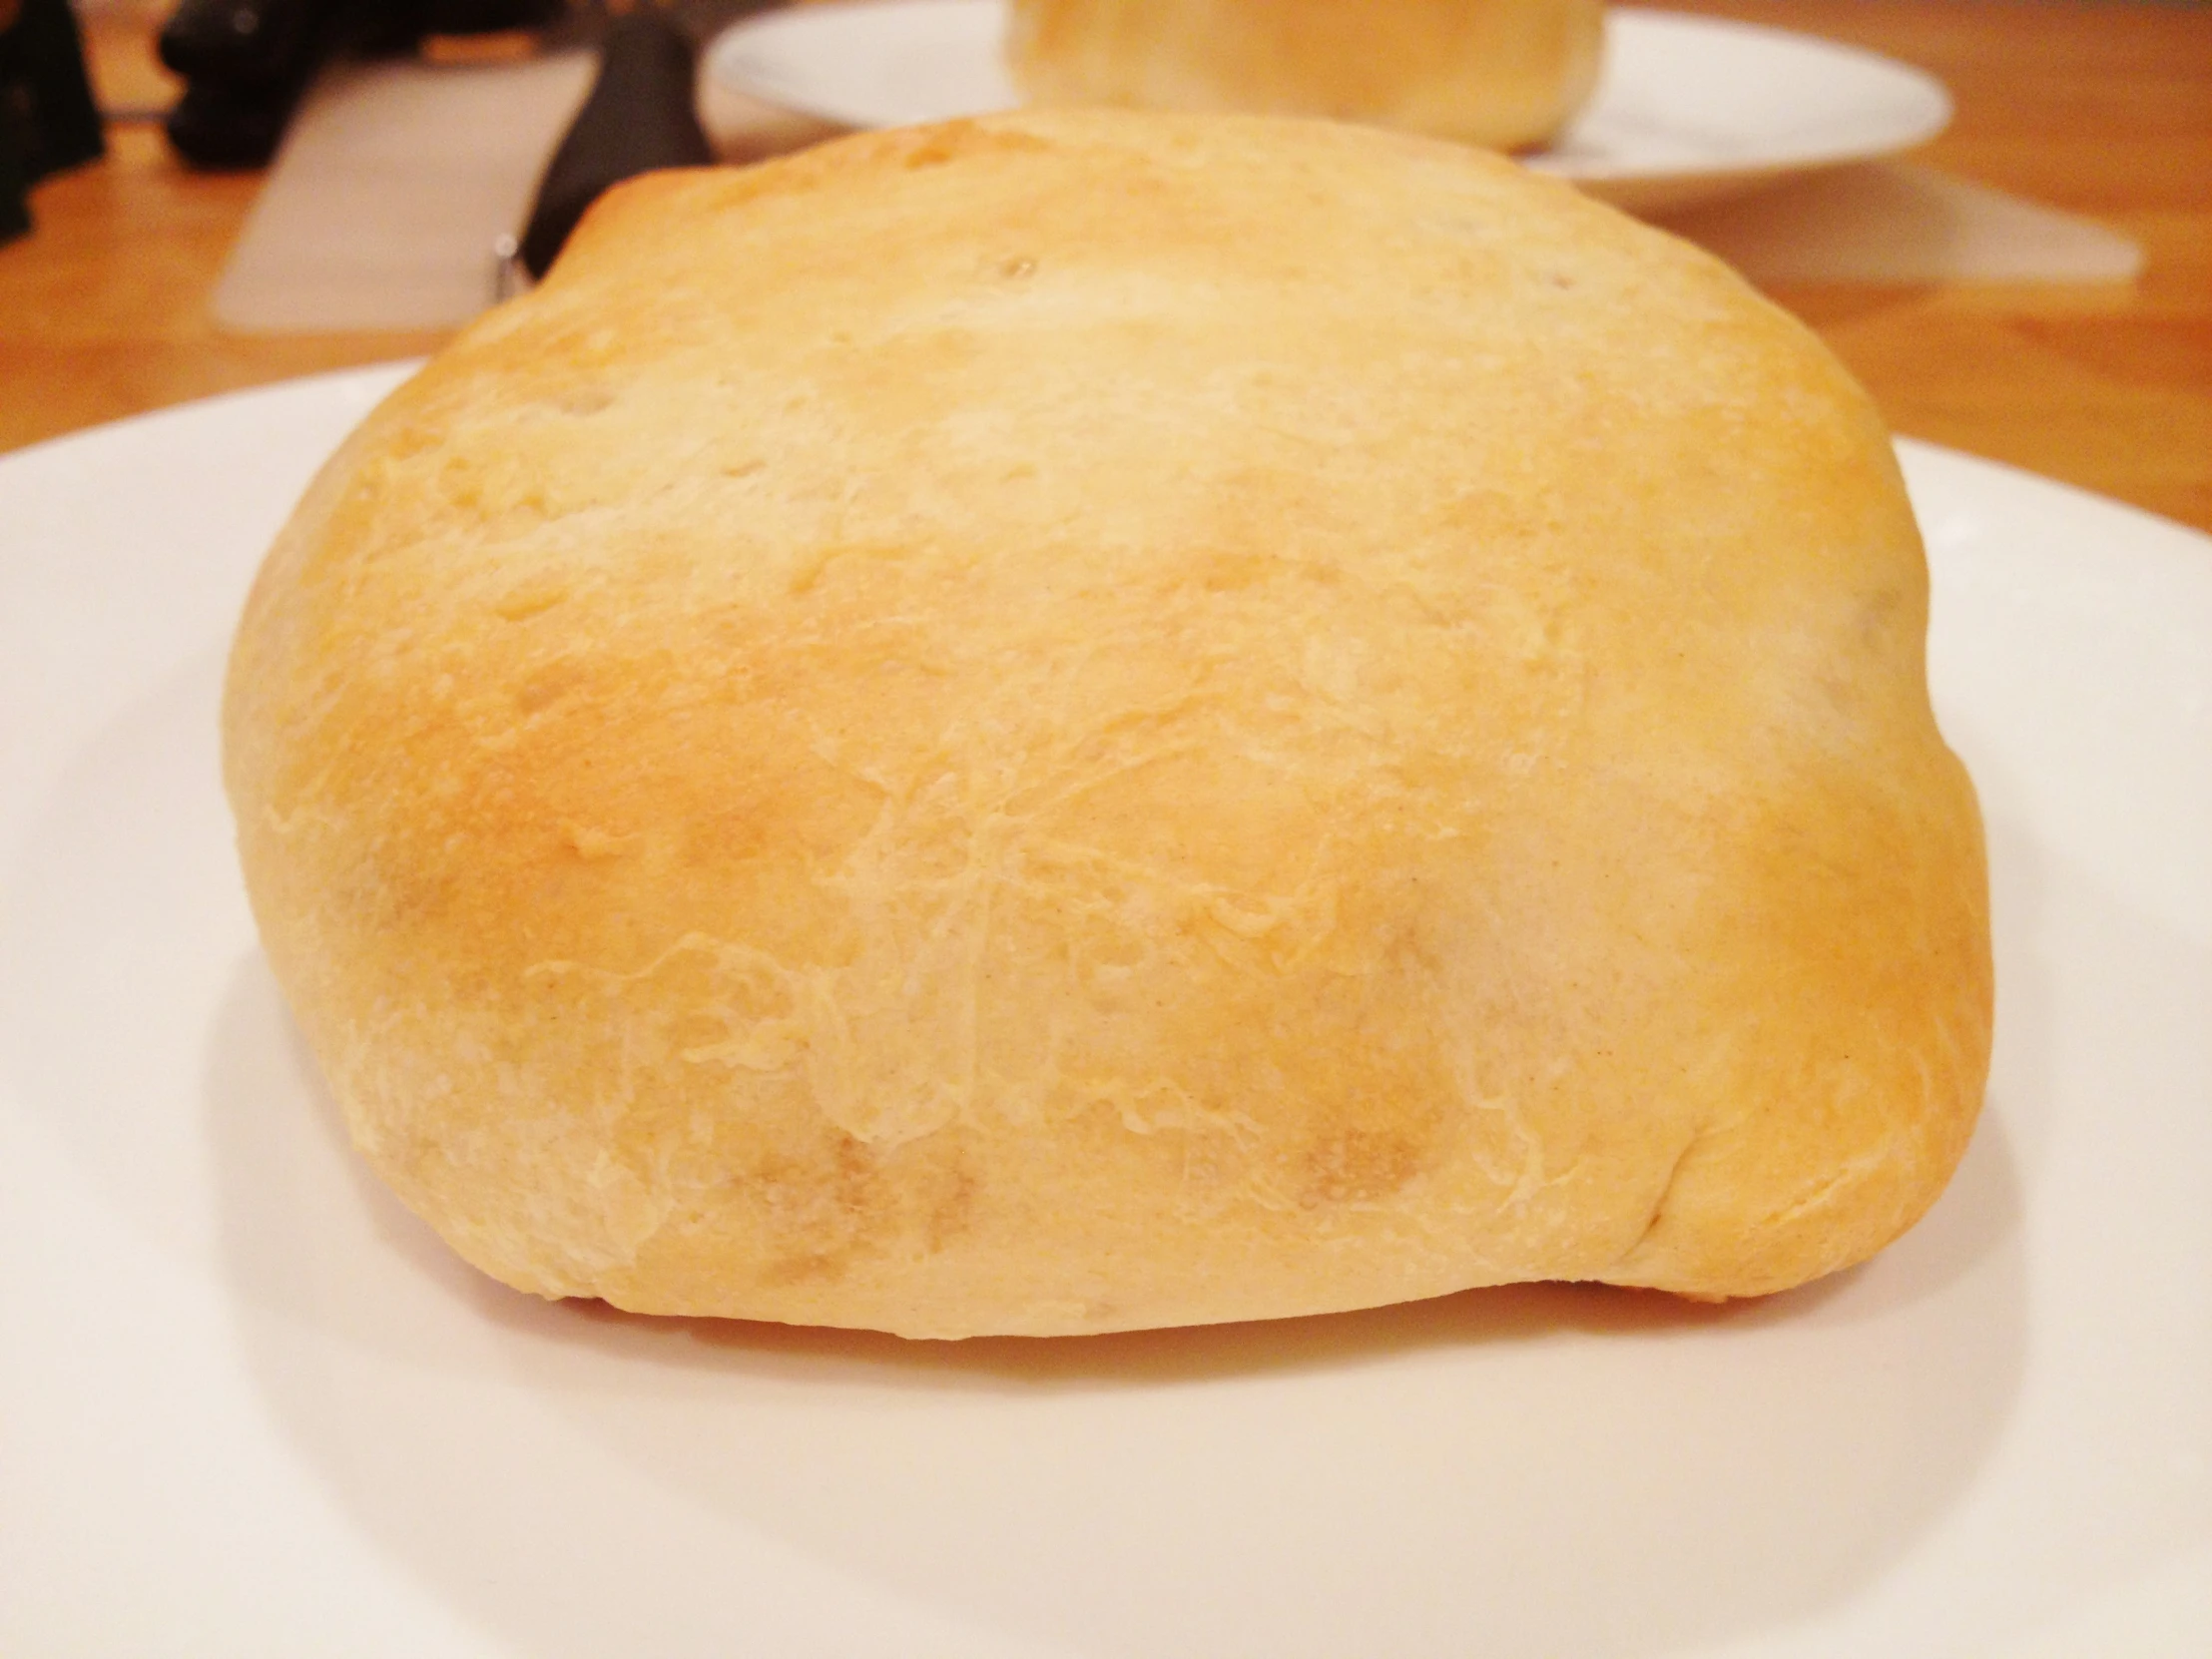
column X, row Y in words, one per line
column 48, row 119
column 245, row 63
column 15, row 212
column 220, row 127
column 642, row 114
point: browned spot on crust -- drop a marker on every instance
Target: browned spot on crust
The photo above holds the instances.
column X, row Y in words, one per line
column 953, row 1211
column 531, row 599
column 860, row 1204
column 1358, row 1165
column 802, row 1270
column 549, row 685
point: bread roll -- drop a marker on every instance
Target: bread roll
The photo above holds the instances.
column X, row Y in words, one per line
column 1091, row 721
column 1501, row 73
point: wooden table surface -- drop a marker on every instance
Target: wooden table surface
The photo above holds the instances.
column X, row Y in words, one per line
column 2101, row 109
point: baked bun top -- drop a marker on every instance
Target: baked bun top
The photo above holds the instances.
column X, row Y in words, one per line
column 1085, row 721
column 1504, row 73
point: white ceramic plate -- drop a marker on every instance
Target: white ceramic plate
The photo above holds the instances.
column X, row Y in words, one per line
column 248, row 1406
column 1688, row 108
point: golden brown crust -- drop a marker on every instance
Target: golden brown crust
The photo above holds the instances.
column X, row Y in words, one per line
column 1088, row 720
column 1501, row 73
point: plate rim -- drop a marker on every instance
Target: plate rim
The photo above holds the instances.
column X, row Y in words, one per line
column 721, row 64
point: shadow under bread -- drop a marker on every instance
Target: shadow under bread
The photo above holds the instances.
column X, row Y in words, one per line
column 1592, row 1470
column 1589, row 1469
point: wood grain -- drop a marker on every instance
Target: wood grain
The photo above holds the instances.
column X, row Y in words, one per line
column 2100, row 109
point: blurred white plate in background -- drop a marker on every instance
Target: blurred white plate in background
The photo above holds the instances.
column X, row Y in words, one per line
column 249, row 1405
column 1689, row 108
